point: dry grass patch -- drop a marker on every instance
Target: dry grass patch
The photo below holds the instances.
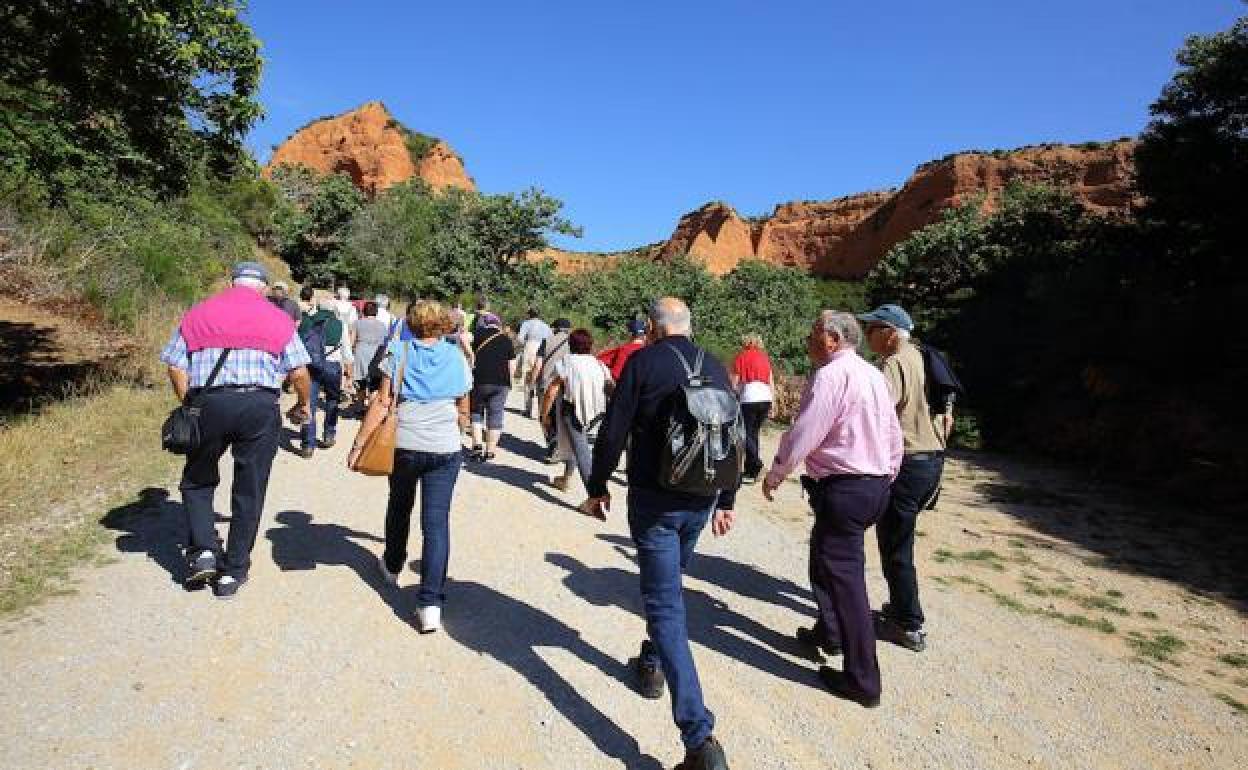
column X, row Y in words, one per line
column 60, row 470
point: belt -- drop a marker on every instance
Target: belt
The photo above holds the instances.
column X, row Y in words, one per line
column 240, row 389
column 811, row 485
column 923, row 456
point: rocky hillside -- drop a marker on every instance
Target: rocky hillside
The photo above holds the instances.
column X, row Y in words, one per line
column 375, row 149
column 844, row 238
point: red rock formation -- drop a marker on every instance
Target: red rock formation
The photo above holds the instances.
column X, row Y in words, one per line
column 844, row 238
column 371, row 146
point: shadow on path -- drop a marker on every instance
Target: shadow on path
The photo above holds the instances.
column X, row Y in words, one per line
column 536, row 483
column 511, row 632
column 737, row 577
column 152, row 524
column 712, row 623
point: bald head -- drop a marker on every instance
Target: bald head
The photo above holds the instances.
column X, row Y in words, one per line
column 670, row 316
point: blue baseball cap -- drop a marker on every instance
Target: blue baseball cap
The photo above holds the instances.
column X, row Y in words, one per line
column 636, row 327
column 253, row 270
column 891, row 315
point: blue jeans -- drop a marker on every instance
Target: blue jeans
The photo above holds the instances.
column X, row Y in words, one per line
column 436, row 473
column 332, row 394
column 665, row 529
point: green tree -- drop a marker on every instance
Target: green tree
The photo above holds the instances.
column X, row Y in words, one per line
column 133, row 90
column 311, row 227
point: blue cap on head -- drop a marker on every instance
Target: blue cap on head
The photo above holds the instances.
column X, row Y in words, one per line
column 253, row 270
column 892, row 315
column 636, row 327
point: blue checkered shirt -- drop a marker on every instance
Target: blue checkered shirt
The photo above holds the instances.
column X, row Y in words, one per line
column 242, row 367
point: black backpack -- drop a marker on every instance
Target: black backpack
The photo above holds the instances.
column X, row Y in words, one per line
column 942, row 385
column 703, row 450
column 313, row 339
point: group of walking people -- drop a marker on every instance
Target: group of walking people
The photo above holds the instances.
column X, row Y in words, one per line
column 869, row 442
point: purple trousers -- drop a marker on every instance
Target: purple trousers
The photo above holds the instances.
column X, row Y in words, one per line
column 845, row 508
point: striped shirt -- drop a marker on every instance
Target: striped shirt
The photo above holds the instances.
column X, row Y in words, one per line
column 241, row 367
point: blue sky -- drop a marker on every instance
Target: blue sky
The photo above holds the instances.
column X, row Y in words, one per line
column 633, row 113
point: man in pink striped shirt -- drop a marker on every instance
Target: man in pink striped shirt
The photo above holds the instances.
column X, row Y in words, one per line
column 847, row 433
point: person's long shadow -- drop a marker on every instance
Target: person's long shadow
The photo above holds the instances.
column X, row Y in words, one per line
column 511, row 632
column 152, row 524
column 302, row 545
column 744, row 579
column 710, row 621
column 531, row 450
column 519, row 478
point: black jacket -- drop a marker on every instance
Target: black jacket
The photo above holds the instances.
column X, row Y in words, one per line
column 640, row 407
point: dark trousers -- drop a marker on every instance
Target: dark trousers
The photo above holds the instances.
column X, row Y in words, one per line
column 436, row 473
column 331, row 387
column 665, row 530
column 753, row 415
column 914, row 486
column 246, row 424
column 845, row 507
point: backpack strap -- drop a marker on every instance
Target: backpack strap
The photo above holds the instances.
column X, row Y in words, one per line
column 212, row 377
column 694, row 372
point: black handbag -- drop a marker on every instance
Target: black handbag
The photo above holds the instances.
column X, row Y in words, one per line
column 181, row 434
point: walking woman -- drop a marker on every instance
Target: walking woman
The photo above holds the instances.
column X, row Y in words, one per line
column 751, row 376
column 575, row 402
column 492, row 352
column 431, row 374
column 370, row 335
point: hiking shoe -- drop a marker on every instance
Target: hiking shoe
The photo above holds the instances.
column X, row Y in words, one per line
column 201, row 569
column 326, row 443
column 391, row 578
column 560, row 483
column 650, row 681
column 476, row 454
column 815, row 644
column 306, row 452
column 749, row 478
column 835, row 682
column 708, row 756
column 429, row 619
column 890, row 630
column 227, row 586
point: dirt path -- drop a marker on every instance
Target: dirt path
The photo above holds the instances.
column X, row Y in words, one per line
column 316, row 664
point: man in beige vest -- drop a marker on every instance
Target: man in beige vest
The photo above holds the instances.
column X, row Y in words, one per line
column 925, row 433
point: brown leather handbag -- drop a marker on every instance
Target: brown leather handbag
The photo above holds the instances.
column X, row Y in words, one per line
column 377, row 452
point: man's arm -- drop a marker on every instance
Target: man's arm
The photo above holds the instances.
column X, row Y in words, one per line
column 180, row 380
column 178, row 358
column 613, row 434
column 815, row 417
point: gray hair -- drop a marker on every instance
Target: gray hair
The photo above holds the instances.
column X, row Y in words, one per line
column 671, row 316
column 382, row 300
column 843, row 326
column 902, row 334
column 251, row 283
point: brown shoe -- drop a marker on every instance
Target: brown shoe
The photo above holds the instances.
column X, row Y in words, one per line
column 560, row 483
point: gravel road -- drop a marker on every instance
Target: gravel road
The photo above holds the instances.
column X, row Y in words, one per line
column 317, row 663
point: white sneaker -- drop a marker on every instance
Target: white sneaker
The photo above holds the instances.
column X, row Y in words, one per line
column 391, row 578
column 429, row 618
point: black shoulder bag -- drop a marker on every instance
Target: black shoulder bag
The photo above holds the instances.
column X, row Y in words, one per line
column 181, row 434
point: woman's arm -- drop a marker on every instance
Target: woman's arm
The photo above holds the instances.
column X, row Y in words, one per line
column 548, row 398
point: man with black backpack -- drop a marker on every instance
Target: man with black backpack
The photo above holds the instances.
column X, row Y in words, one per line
column 323, row 337
column 918, row 378
column 674, row 407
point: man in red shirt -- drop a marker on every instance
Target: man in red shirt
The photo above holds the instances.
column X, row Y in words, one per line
column 616, row 357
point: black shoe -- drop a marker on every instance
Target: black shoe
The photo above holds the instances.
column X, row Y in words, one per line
column 476, row 454
column 201, row 569
column 487, row 457
column 227, row 586
column 749, row 478
column 306, row 452
column 326, row 443
column 650, row 681
column 708, row 756
column 889, row 630
column 835, row 681
column 816, row 645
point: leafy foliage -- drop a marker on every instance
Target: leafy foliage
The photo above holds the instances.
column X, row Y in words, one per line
column 312, row 218
column 142, row 91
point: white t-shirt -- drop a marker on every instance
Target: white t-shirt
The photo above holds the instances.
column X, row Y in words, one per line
column 585, row 381
column 755, row 392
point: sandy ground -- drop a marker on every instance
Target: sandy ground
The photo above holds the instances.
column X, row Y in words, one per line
column 317, row 664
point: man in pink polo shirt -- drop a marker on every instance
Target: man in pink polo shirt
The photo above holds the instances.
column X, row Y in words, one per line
column 847, row 433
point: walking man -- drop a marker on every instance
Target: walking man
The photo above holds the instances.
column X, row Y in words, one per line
column 253, row 346
column 552, row 349
column 665, row 525
column 888, row 329
column 616, row 357
column 532, row 333
column 846, row 431
column 325, row 340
